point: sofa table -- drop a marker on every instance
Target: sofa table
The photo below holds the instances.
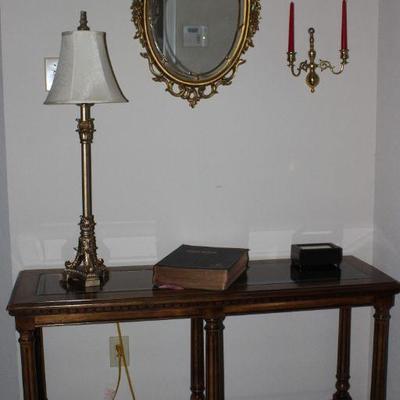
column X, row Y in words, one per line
column 38, row 300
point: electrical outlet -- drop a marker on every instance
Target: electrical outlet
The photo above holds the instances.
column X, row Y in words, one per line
column 114, row 341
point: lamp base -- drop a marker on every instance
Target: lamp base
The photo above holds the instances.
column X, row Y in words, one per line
column 79, row 277
column 86, row 269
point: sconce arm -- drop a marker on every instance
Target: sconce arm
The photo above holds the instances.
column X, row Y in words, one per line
column 344, row 56
column 296, row 70
column 324, row 64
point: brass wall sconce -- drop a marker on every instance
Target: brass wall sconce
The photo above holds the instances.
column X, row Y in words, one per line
column 85, row 77
column 310, row 66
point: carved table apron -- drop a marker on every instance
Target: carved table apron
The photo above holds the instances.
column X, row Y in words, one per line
column 38, row 300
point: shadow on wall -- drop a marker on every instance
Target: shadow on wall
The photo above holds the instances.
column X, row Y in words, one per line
column 276, row 244
column 119, row 243
column 136, row 243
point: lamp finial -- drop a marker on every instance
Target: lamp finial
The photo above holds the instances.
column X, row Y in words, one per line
column 83, row 22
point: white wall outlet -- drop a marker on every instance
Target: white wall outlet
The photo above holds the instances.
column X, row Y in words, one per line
column 114, row 341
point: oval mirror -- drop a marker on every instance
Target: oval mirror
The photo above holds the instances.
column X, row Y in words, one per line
column 194, row 46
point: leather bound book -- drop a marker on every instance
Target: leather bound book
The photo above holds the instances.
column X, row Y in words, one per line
column 201, row 267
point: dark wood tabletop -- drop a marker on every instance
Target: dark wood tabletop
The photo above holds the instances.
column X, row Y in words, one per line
column 268, row 285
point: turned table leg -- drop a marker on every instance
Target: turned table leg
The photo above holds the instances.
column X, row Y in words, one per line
column 343, row 358
column 380, row 350
column 214, row 359
column 29, row 365
column 197, row 359
column 40, row 365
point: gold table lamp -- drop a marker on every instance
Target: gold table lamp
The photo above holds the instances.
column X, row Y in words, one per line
column 85, row 77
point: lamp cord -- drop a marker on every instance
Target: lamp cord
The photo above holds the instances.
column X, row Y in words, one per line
column 122, row 360
column 119, row 371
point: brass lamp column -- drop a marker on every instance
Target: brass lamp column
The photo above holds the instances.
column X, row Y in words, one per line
column 85, row 77
column 86, row 266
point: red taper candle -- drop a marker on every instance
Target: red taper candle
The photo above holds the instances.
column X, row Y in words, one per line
column 291, row 28
column 344, row 25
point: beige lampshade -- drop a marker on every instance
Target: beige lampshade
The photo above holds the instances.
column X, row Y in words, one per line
column 84, row 73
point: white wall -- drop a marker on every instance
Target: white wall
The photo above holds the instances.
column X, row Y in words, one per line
column 8, row 350
column 387, row 189
column 262, row 164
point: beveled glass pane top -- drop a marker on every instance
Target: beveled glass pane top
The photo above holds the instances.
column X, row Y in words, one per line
column 140, row 278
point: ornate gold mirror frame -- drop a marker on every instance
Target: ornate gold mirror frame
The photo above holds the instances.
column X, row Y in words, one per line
column 200, row 87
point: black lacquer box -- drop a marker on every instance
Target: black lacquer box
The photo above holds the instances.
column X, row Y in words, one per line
column 311, row 255
column 317, row 273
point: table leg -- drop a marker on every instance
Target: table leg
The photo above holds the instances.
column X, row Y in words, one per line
column 197, row 359
column 40, row 365
column 29, row 365
column 214, row 359
column 380, row 350
column 343, row 358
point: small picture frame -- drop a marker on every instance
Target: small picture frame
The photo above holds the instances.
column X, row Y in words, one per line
column 50, row 68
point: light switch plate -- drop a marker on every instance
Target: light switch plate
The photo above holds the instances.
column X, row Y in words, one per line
column 50, row 68
column 114, row 341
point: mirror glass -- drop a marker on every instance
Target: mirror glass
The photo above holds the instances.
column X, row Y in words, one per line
column 194, row 38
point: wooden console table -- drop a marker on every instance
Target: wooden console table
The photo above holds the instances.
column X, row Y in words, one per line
column 38, row 301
